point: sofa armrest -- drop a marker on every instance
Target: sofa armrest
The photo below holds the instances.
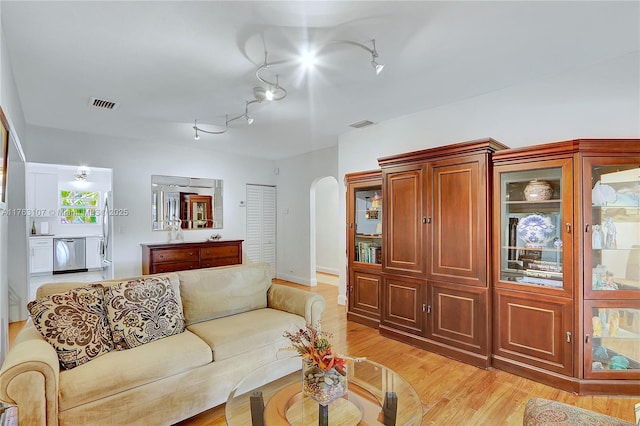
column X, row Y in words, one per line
column 296, row 301
column 29, row 378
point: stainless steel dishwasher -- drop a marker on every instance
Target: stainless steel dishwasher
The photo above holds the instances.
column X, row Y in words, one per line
column 69, row 255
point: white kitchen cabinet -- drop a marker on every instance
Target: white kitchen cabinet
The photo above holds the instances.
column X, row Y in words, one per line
column 41, row 255
column 42, row 194
column 92, row 247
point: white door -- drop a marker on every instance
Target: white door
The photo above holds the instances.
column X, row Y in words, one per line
column 261, row 225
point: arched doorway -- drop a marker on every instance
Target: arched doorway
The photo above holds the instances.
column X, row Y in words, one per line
column 324, row 228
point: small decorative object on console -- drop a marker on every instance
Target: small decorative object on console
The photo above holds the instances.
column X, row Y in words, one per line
column 324, row 374
column 215, row 237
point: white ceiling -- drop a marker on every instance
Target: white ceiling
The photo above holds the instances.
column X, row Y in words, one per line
column 168, row 63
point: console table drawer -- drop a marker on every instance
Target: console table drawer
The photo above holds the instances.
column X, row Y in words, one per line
column 223, row 261
column 174, row 266
column 217, row 252
column 171, row 257
column 174, row 255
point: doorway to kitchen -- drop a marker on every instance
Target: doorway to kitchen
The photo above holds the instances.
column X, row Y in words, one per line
column 67, row 227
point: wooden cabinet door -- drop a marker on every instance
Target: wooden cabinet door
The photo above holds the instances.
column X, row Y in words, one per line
column 457, row 316
column 403, row 306
column 364, row 297
column 403, row 220
column 457, row 221
column 534, row 330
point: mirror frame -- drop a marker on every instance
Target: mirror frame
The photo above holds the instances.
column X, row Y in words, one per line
column 173, row 199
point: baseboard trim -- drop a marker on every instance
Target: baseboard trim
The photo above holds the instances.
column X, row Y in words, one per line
column 297, row 279
column 327, row 270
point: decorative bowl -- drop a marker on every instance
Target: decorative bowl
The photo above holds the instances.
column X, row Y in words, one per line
column 536, row 230
column 538, row 190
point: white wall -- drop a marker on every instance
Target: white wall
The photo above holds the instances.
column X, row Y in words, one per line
column 133, row 162
column 12, row 108
column 18, row 256
column 295, row 180
column 328, row 230
column 559, row 107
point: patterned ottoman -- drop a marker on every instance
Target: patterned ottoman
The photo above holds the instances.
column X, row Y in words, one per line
column 544, row 412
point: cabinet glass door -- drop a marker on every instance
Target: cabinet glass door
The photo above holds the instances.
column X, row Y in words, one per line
column 535, row 229
column 613, row 332
column 612, row 229
column 368, row 225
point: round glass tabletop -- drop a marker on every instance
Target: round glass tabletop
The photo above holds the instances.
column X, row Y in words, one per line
column 376, row 396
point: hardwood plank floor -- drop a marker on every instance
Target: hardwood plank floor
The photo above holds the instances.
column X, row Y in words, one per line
column 451, row 392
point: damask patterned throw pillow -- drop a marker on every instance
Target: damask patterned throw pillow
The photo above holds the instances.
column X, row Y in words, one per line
column 74, row 323
column 142, row 311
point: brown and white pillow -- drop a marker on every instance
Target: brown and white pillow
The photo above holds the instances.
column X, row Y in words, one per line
column 143, row 310
column 74, row 323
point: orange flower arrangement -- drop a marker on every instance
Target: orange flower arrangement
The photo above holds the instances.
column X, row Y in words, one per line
column 313, row 344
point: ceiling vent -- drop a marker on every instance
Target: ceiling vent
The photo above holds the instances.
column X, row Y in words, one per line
column 103, row 104
column 363, row 123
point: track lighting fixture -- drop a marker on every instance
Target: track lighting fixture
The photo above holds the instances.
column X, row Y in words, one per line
column 273, row 91
column 211, row 132
column 373, row 51
column 374, row 56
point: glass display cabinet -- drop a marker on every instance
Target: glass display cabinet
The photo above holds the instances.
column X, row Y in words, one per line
column 612, row 268
column 567, row 263
column 368, row 225
column 364, row 246
column 535, row 221
column 533, row 285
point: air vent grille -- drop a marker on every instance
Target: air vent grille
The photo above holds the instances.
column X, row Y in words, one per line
column 103, row 104
column 363, row 123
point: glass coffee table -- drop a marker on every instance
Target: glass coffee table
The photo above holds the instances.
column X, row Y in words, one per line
column 376, row 396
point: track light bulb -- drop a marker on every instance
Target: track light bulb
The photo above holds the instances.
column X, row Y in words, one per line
column 376, row 66
column 308, row 59
column 249, row 120
column 269, row 94
column 197, row 137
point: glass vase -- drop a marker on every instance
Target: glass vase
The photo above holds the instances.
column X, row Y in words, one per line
column 323, row 386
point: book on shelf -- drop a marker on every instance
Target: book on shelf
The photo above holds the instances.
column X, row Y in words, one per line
column 540, row 281
column 543, row 274
column 367, row 253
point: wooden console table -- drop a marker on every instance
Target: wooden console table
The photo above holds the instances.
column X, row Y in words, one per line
column 170, row 257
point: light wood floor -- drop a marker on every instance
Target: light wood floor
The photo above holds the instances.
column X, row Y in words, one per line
column 452, row 393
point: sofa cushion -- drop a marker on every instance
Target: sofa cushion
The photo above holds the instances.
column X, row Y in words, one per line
column 218, row 292
column 119, row 371
column 143, row 310
column 245, row 332
column 74, row 323
column 60, row 287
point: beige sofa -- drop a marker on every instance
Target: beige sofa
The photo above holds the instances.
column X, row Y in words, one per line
column 235, row 319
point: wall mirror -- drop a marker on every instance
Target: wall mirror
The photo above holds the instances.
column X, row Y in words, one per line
column 185, row 202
